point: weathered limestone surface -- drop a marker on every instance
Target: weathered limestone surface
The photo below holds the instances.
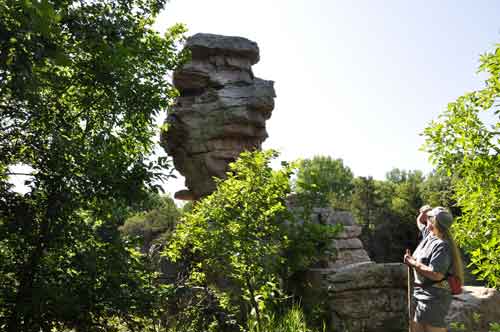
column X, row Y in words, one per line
column 348, row 247
column 475, row 308
column 373, row 298
column 221, row 111
column 367, row 297
column 362, row 295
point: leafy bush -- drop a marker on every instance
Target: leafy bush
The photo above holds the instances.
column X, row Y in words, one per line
column 242, row 240
column 463, row 145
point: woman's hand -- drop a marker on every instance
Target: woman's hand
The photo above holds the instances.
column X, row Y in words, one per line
column 422, row 217
column 422, row 269
column 408, row 259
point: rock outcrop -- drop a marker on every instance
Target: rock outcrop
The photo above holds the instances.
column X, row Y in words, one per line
column 367, row 297
column 373, row 298
column 474, row 310
column 221, row 110
column 361, row 295
column 348, row 247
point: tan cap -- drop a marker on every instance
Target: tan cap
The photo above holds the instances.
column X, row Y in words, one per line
column 442, row 215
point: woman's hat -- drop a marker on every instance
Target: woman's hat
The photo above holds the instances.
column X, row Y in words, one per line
column 442, row 215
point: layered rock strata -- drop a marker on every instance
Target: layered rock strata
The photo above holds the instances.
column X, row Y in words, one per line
column 221, row 110
column 373, row 298
column 367, row 297
column 362, row 295
column 348, row 247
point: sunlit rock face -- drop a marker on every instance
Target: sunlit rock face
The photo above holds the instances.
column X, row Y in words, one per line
column 364, row 296
column 221, row 111
column 476, row 309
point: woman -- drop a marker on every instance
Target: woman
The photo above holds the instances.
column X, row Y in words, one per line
column 435, row 258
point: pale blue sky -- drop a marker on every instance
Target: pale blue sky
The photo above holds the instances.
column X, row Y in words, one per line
column 357, row 80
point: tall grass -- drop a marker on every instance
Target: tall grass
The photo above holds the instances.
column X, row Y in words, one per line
column 292, row 321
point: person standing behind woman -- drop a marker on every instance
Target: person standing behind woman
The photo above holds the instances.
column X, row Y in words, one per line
column 436, row 257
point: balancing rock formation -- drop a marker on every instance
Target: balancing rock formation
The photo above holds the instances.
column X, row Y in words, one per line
column 221, row 110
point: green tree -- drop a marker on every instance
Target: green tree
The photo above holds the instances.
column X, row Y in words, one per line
column 323, row 181
column 368, row 203
column 155, row 224
column 437, row 190
column 387, row 210
column 242, row 237
column 407, row 197
column 80, row 85
column 371, row 205
column 462, row 145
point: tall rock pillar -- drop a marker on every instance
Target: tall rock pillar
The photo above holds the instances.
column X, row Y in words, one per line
column 221, row 110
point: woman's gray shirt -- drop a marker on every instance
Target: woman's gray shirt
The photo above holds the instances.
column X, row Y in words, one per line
column 435, row 253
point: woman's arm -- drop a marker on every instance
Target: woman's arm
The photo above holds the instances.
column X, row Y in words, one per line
column 423, row 269
column 422, row 217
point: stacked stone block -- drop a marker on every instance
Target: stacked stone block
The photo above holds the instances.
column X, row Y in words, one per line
column 221, row 110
